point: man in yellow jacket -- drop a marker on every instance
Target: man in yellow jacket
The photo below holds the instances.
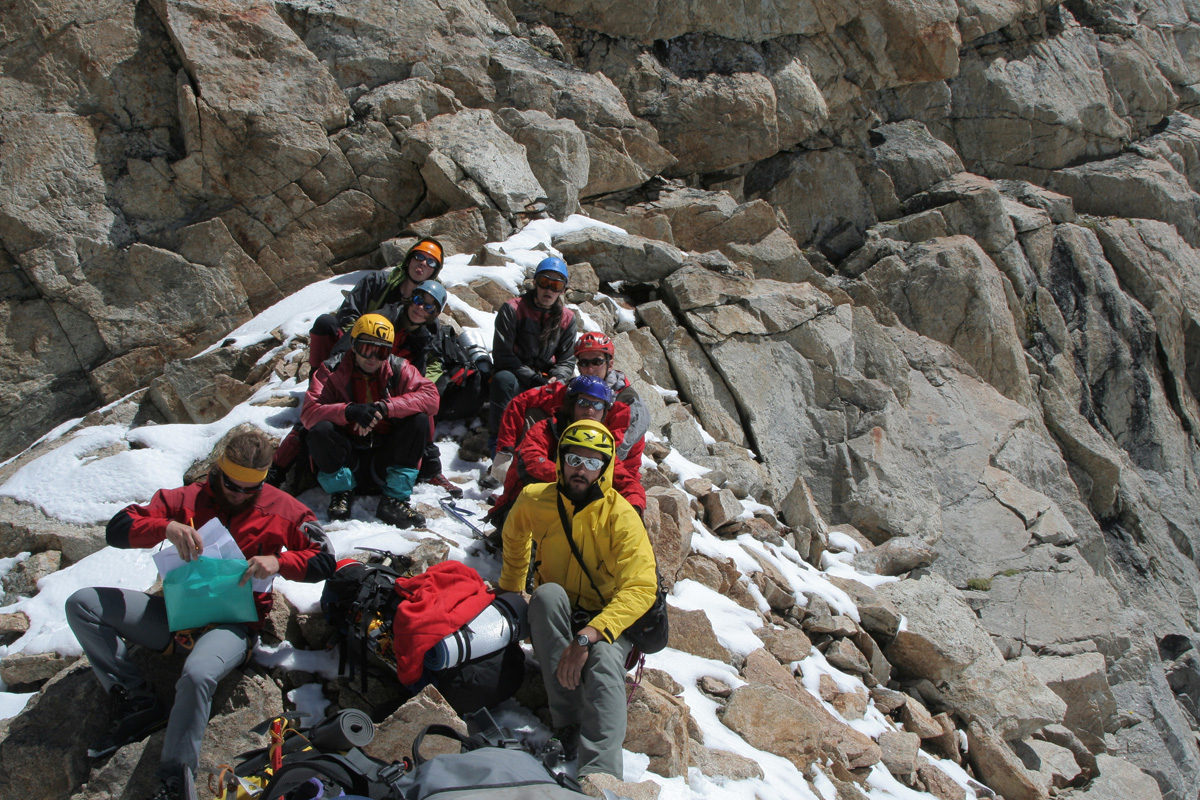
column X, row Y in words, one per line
column 577, row 616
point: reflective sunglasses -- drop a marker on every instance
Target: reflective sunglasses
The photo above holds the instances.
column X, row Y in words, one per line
column 424, row 259
column 574, row 460
column 233, row 488
column 546, row 282
column 372, row 350
column 429, row 304
column 595, row 405
column 592, row 362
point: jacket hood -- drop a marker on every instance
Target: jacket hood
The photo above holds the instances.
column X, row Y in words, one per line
column 605, row 481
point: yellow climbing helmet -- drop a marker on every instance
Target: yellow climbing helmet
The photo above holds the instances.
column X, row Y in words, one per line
column 589, row 434
column 373, row 328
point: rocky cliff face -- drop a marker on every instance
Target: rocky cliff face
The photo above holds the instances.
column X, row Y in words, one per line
column 957, row 240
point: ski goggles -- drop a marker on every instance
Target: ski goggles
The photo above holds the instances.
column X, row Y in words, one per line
column 576, row 460
column 372, row 350
column 594, row 405
column 426, row 302
column 424, row 260
column 592, row 362
column 546, row 282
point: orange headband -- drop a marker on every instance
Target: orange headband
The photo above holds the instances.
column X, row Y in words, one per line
column 240, row 473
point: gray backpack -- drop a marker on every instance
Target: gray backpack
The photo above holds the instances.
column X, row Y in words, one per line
column 497, row 767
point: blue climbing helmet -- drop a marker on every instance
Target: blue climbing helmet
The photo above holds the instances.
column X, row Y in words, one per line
column 435, row 290
column 552, row 265
column 591, row 386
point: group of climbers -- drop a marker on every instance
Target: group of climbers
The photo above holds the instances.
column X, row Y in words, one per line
column 383, row 366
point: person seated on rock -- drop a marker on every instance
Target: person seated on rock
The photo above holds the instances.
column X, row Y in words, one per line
column 378, row 289
column 535, row 457
column 418, row 334
column 533, row 342
column 594, row 576
column 375, row 292
column 367, row 414
column 277, row 534
column 593, row 357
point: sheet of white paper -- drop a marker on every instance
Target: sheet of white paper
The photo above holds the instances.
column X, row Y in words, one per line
column 218, row 543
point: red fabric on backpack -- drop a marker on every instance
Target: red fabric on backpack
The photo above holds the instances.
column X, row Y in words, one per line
column 437, row 602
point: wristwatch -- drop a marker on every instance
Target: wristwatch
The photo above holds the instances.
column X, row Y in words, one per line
column 582, row 640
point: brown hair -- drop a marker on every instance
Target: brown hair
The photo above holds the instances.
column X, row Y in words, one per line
column 552, row 325
column 250, row 447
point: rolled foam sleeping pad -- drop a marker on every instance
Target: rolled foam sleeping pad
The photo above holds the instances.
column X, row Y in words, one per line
column 502, row 622
column 348, row 728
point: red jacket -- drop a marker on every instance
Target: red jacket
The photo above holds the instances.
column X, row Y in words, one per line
column 275, row 521
column 437, row 602
column 404, row 390
column 535, row 458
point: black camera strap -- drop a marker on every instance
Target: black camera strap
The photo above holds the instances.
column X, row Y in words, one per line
column 562, row 515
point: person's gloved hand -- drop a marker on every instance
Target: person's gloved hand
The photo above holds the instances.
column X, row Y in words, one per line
column 526, row 375
column 362, row 414
column 538, row 379
column 382, row 408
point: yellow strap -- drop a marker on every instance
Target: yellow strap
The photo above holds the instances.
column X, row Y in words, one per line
column 240, row 473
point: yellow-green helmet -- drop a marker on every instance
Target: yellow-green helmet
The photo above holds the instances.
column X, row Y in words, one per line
column 375, row 328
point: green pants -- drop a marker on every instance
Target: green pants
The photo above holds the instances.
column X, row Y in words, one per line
column 598, row 704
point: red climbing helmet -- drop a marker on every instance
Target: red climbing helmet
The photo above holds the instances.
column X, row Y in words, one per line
column 592, row 341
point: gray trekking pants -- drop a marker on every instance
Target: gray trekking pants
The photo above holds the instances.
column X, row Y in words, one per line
column 106, row 620
column 598, row 704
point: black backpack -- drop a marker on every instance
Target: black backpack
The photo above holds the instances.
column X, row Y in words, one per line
column 462, row 386
column 360, row 601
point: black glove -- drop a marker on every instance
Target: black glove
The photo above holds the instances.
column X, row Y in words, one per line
column 525, row 375
column 361, row 414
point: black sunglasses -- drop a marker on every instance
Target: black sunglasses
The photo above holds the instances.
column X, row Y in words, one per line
column 230, row 486
column 586, row 402
column 592, row 362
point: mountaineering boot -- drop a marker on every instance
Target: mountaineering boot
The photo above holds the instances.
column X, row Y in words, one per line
column 340, row 504
column 399, row 513
column 169, row 789
column 568, row 736
column 135, row 715
column 442, row 482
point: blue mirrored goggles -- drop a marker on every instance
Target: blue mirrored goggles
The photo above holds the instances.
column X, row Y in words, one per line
column 426, row 302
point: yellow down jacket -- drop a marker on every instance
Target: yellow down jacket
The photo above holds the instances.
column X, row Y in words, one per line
column 610, row 536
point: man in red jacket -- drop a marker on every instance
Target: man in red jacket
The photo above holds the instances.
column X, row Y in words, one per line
column 367, row 414
column 277, row 534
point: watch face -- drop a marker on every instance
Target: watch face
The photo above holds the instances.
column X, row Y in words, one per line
column 582, row 640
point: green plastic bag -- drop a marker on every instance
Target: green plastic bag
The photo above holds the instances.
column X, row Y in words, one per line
column 205, row 591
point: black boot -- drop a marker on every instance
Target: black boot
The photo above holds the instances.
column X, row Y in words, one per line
column 568, row 736
column 398, row 513
column 135, row 715
column 340, row 505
